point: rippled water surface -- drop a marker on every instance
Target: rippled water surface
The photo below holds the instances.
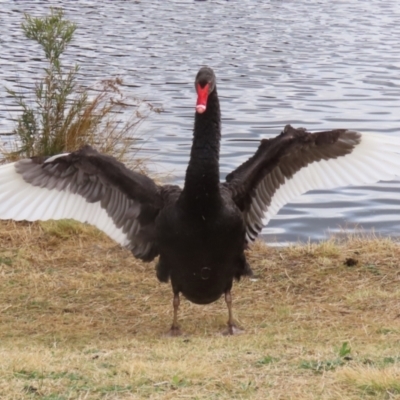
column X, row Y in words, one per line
column 316, row 64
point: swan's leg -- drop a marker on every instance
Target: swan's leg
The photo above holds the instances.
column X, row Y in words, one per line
column 232, row 328
column 175, row 331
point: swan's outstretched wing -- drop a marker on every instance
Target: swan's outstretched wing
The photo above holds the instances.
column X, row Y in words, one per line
column 297, row 161
column 88, row 187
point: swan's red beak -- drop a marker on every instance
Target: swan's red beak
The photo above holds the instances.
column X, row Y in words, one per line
column 202, row 95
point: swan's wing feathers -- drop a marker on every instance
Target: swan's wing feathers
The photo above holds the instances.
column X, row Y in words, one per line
column 298, row 145
column 88, row 187
column 297, row 161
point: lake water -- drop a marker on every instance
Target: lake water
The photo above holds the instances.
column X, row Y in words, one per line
column 316, row 64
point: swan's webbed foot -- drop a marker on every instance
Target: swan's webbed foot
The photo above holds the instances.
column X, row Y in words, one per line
column 175, row 331
column 232, row 330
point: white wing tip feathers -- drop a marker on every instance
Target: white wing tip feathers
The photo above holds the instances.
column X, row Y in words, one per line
column 375, row 158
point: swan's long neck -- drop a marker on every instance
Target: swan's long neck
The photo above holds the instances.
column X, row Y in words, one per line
column 202, row 175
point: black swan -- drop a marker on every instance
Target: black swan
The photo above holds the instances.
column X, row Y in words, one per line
column 201, row 231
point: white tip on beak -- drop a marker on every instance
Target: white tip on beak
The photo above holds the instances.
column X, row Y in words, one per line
column 200, row 108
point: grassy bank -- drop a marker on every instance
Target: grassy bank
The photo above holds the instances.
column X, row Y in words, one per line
column 80, row 318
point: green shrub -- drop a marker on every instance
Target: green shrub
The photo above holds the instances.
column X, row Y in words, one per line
column 63, row 116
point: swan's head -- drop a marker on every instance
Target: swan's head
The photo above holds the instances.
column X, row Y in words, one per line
column 204, row 84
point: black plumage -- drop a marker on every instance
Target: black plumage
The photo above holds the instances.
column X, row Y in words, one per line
column 199, row 232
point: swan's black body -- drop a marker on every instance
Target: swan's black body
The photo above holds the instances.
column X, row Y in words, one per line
column 201, row 235
column 200, row 232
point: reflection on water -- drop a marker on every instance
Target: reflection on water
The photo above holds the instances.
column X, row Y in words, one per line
column 320, row 65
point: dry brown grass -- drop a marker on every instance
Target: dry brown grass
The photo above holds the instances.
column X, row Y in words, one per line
column 80, row 318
